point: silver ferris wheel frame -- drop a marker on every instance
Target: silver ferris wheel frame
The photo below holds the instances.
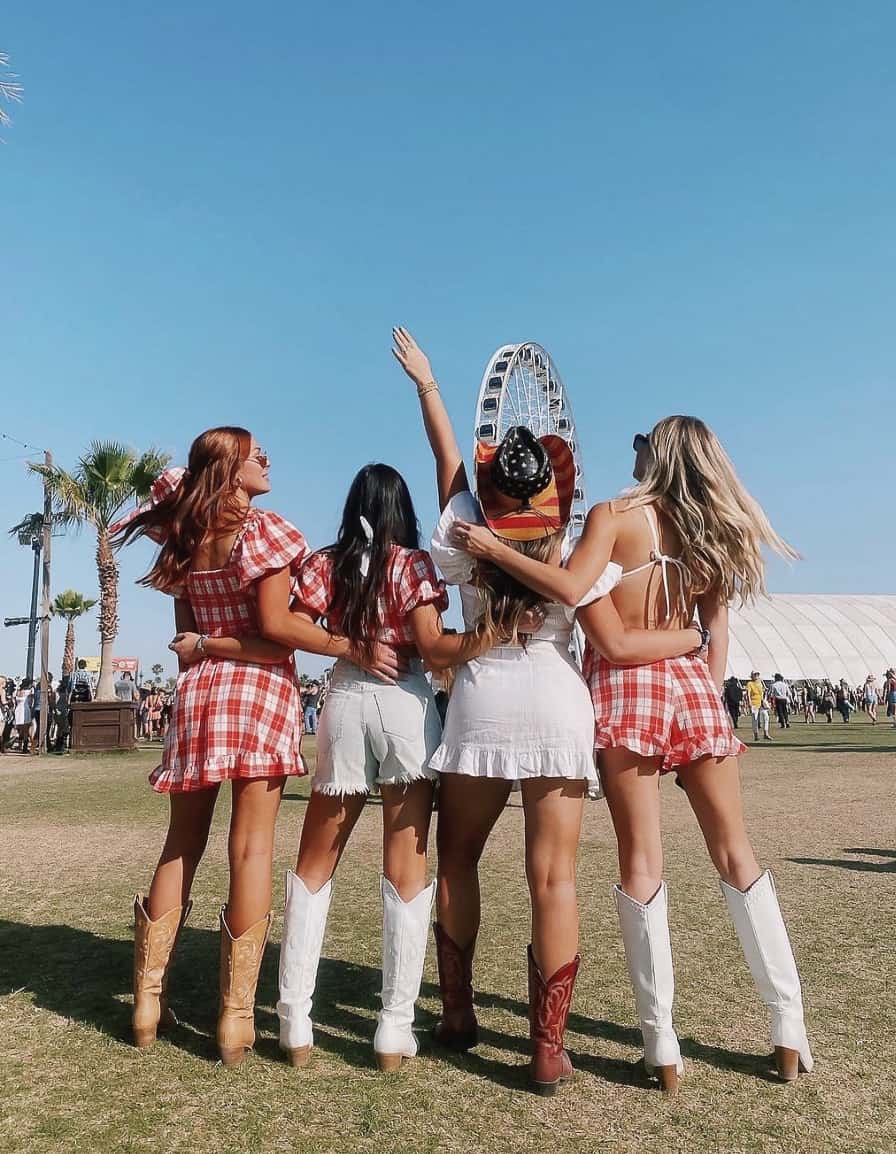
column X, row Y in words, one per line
column 521, row 385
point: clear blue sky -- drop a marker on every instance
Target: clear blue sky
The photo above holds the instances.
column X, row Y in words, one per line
column 214, row 212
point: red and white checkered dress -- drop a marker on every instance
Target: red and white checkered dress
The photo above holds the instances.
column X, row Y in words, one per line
column 411, row 581
column 235, row 719
column 670, row 709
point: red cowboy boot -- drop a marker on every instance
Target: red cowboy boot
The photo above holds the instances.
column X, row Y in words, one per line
column 549, row 1003
column 457, row 1028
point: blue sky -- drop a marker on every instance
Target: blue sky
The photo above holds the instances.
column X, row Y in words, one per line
column 214, row 213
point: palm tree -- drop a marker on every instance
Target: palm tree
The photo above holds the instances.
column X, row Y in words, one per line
column 158, row 670
column 106, row 478
column 10, row 89
column 71, row 606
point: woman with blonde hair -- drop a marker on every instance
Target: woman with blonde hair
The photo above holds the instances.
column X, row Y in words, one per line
column 519, row 714
column 236, row 717
column 688, row 537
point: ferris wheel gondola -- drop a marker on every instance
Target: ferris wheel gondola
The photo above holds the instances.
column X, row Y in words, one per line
column 521, row 385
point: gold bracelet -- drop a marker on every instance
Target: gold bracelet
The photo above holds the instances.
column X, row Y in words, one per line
column 429, row 387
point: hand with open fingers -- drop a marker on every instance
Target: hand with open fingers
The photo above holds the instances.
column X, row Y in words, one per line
column 532, row 620
column 387, row 664
column 477, row 540
column 184, row 645
column 411, row 357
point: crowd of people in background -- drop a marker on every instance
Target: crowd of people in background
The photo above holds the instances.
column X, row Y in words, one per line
column 759, row 700
column 21, row 706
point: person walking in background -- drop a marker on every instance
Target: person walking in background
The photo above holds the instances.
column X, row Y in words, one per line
column 810, row 701
column 759, row 707
column 841, row 699
column 780, row 695
column 311, row 702
column 733, row 695
column 870, row 698
column 890, row 694
column 688, row 536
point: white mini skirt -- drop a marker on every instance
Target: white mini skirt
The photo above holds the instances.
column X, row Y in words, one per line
column 517, row 713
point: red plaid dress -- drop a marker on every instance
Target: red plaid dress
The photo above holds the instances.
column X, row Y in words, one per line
column 234, row 719
column 411, row 581
column 670, row 709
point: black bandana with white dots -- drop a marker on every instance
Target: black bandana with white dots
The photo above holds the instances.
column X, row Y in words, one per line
column 521, row 467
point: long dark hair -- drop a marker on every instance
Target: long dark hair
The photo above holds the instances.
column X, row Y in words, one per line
column 205, row 500
column 380, row 495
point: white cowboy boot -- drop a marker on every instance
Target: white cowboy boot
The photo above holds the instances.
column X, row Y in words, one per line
column 405, row 935
column 763, row 937
column 648, row 951
column 304, row 922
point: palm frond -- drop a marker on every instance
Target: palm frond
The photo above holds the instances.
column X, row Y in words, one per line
column 146, row 468
column 71, row 506
column 10, row 88
column 28, row 528
column 71, row 604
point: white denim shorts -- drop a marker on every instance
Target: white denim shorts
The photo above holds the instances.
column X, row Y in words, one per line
column 372, row 734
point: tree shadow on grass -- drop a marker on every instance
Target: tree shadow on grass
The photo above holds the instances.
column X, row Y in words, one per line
column 874, row 867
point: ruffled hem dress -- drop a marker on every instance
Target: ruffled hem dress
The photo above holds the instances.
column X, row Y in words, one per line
column 234, row 719
column 515, row 712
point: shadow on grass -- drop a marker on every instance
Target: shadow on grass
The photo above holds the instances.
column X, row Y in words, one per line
column 874, row 867
column 83, row 976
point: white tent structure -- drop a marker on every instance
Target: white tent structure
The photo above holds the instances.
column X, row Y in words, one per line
column 814, row 637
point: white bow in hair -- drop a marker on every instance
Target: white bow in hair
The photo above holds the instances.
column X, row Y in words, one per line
column 365, row 556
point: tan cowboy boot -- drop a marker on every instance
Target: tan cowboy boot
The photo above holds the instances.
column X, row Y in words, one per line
column 240, row 964
column 154, row 944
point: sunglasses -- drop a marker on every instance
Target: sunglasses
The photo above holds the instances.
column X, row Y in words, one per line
column 261, row 457
column 641, row 441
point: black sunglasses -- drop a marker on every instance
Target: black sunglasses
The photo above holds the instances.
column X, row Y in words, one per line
column 641, row 441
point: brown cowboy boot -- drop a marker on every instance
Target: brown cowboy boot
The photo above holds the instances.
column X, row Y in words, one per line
column 457, row 1028
column 549, row 1003
column 240, row 964
column 154, row 944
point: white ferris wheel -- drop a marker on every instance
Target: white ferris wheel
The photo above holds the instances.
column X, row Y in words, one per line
column 522, row 386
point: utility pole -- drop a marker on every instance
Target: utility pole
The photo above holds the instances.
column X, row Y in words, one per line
column 45, row 609
column 36, row 546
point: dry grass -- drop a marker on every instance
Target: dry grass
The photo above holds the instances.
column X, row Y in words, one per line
column 80, row 835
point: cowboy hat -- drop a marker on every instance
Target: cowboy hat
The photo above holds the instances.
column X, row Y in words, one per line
column 538, row 472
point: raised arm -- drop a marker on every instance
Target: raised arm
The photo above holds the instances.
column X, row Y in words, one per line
column 566, row 584
column 604, row 629
column 714, row 617
column 451, row 475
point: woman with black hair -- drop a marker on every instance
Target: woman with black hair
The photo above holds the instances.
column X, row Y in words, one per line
column 373, row 586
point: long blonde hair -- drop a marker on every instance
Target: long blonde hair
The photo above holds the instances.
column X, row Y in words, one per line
column 721, row 527
column 504, row 599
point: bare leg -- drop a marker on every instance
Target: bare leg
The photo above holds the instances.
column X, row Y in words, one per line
column 468, row 810
column 250, row 849
column 407, row 810
column 329, row 821
column 553, row 811
column 188, row 826
column 631, row 784
column 713, row 789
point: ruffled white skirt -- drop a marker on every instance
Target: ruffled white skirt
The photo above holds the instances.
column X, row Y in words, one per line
column 517, row 713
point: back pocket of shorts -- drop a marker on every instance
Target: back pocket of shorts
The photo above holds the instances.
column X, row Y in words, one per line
column 402, row 713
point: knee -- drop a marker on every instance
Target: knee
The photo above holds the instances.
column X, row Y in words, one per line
column 458, row 855
column 735, row 861
column 246, row 849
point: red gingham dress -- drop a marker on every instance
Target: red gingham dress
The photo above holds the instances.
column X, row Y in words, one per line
column 411, row 581
column 235, row 719
column 670, row 709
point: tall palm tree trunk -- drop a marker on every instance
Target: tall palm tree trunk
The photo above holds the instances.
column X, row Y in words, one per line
column 107, row 570
column 68, row 654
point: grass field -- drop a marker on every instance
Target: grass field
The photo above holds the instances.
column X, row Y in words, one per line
column 79, row 836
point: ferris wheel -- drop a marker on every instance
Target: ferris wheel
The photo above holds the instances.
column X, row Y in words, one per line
column 522, row 386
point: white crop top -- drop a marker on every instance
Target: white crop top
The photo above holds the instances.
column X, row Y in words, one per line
column 457, row 569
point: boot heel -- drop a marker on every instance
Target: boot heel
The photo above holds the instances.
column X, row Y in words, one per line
column 787, row 1063
column 299, row 1055
column 143, row 1039
column 668, row 1079
column 547, row 1089
column 388, row 1063
column 232, row 1056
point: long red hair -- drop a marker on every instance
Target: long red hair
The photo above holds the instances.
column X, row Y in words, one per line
column 205, row 500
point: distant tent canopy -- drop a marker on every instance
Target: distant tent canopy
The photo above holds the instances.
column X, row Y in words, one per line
column 814, row 637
